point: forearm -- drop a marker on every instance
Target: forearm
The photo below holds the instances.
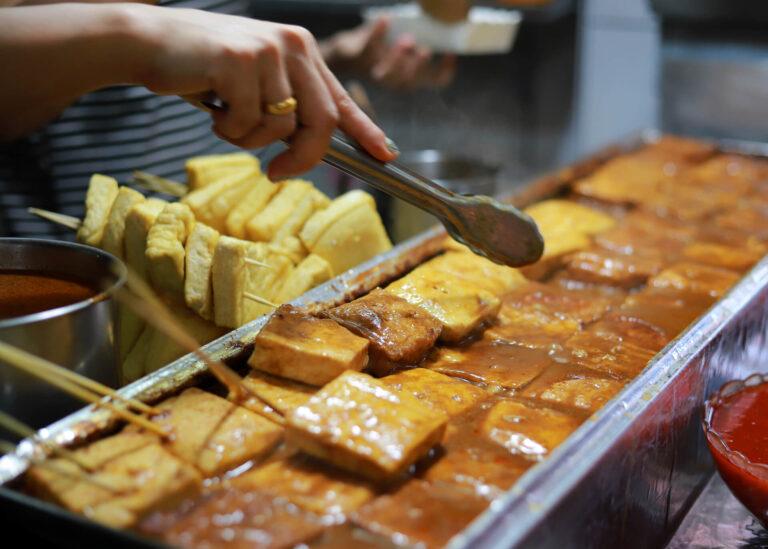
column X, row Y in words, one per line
column 50, row 55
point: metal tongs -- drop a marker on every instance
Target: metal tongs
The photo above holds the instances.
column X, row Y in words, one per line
column 500, row 232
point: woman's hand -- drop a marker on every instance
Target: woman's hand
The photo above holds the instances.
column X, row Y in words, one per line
column 50, row 55
column 403, row 65
column 249, row 64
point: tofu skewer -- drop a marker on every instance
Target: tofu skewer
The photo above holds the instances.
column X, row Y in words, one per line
column 43, row 369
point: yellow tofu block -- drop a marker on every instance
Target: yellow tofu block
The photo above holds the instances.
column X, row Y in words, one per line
column 292, row 247
column 198, row 286
column 133, row 475
column 162, row 350
column 308, row 485
column 586, row 393
column 281, row 394
column 149, row 479
column 263, row 226
column 311, row 350
column 447, row 394
column 566, row 225
column 360, row 425
column 165, row 249
column 204, row 170
column 347, row 232
column 102, row 192
column 532, row 432
column 214, row 434
column 261, row 281
column 311, row 272
column 461, row 307
column 695, row 278
column 259, row 195
column 202, row 200
column 217, row 210
column 138, row 222
column 113, row 240
column 479, row 271
column 228, row 275
column 313, row 201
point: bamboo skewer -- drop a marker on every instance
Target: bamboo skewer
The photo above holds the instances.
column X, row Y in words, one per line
column 160, row 184
column 36, row 366
column 13, row 425
column 155, row 313
column 65, row 220
column 8, row 448
column 258, row 299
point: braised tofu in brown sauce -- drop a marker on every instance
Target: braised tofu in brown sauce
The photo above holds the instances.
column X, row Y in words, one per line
column 400, row 333
column 396, row 418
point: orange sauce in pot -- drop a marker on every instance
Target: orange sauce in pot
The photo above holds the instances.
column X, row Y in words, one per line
column 28, row 292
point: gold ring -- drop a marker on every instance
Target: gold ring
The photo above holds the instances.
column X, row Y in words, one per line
column 286, row 106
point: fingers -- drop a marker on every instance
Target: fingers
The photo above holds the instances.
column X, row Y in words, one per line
column 237, row 84
column 318, row 116
column 354, row 122
column 275, row 87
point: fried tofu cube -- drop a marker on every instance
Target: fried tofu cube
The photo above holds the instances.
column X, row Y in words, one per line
column 213, row 434
column 102, row 192
column 310, row 485
column 138, row 222
column 461, row 307
column 204, row 170
column 729, row 171
column 281, row 394
column 311, row 350
column 725, row 257
column 484, row 470
column 479, row 271
column 261, row 192
column 228, row 189
column 628, row 179
column 399, row 332
column 312, row 202
column 695, row 278
column 113, row 240
column 262, row 281
column 359, row 424
column 292, row 248
column 132, row 476
column 264, row 225
column 198, row 285
column 439, row 391
column 421, row 514
column 566, row 225
column 600, row 266
column 234, row 518
column 312, row 271
column 228, row 280
column 538, row 315
column 346, row 233
column 491, row 363
column 217, row 210
column 611, row 355
column 680, row 148
column 631, row 329
column 165, row 249
column 574, row 389
column 528, row 431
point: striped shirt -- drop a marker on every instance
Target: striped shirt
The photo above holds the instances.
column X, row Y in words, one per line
column 113, row 131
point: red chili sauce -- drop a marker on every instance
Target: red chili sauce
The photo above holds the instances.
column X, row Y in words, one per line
column 27, row 292
column 739, row 423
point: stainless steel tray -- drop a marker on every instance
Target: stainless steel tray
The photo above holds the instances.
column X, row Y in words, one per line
column 625, row 478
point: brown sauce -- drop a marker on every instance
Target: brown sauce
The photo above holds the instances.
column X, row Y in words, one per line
column 28, row 292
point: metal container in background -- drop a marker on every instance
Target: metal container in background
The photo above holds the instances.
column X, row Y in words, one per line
column 79, row 336
column 460, row 174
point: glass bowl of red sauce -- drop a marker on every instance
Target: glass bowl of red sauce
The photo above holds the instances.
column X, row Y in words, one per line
column 736, row 426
